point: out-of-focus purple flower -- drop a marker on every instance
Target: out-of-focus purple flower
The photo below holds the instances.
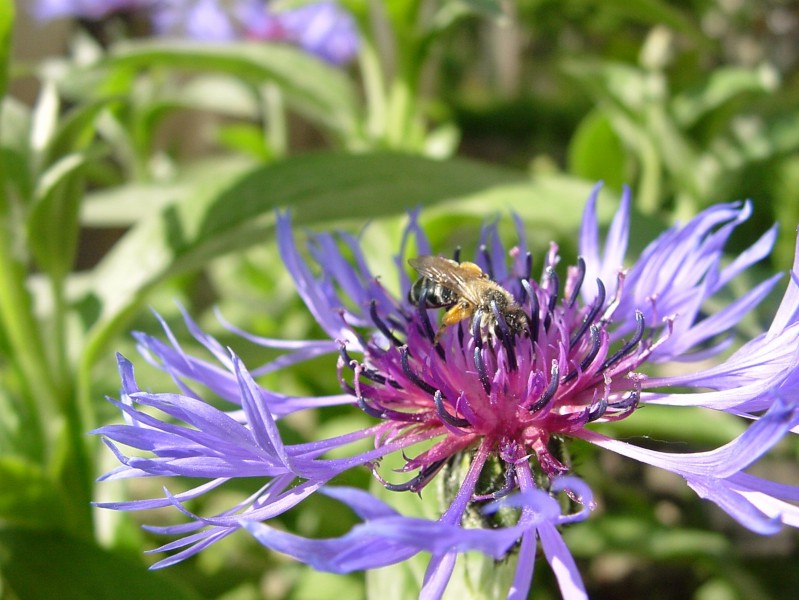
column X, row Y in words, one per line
column 323, row 29
column 47, row 10
column 494, row 394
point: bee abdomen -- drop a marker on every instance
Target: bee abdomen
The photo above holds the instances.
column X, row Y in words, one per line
column 435, row 295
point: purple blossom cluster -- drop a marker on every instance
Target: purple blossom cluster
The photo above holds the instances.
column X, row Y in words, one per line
column 321, row 28
column 476, row 392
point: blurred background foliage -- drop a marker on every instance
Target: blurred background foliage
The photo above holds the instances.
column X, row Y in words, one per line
column 141, row 171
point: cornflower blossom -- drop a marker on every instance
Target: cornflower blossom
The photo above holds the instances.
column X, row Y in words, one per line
column 47, row 10
column 497, row 399
column 322, row 28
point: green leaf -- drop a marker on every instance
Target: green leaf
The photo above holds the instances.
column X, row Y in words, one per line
column 234, row 213
column 6, row 25
column 658, row 12
column 44, row 120
column 643, row 538
column 595, row 151
column 40, row 565
column 687, row 424
column 721, row 86
column 318, row 90
column 28, row 496
column 75, row 131
column 15, row 124
column 53, row 222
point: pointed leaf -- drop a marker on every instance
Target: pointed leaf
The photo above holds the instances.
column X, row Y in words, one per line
column 320, row 91
column 39, row 565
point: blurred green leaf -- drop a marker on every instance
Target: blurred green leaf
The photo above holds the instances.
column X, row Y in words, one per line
column 6, row 25
column 657, row 12
column 595, row 151
column 643, row 538
column 38, row 565
column 721, row 86
column 28, row 496
column 44, row 121
column 684, row 424
column 53, row 222
column 15, row 124
column 318, row 90
column 76, row 129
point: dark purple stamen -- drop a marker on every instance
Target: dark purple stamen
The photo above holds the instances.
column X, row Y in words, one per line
column 418, row 482
column 578, row 283
column 481, row 370
column 381, row 325
column 445, row 416
column 427, row 326
column 535, row 319
column 369, row 410
column 415, row 379
column 487, row 258
column 528, row 265
column 507, row 488
column 596, row 343
column 553, row 296
column 456, row 254
column 384, row 413
column 505, row 335
column 597, row 411
column 370, row 374
column 629, row 401
column 552, row 275
column 552, row 388
column 640, row 325
column 598, row 304
column 476, row 333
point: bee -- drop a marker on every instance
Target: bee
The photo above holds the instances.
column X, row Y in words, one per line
column 466, row 291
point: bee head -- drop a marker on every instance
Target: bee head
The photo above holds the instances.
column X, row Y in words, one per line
column 517, row 321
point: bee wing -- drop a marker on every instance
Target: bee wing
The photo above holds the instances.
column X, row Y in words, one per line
column 461, row 280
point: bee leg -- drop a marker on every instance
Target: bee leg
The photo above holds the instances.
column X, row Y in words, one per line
column 456, row 314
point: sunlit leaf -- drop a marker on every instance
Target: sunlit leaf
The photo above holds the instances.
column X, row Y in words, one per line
column 40, row 565
column 28, row 497
column 595, row 151
column 320, row 91
column 721, row 86
column 53, row 222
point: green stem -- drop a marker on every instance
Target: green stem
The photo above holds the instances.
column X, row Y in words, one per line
column 274, row 111
column 22, row 330
column 374, row 90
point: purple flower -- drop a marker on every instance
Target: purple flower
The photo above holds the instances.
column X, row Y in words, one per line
column 323, row 28
column 47, row 10
column 530, row 365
